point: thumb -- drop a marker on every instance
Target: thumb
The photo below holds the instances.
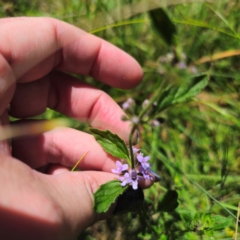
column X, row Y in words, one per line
column 75, row 193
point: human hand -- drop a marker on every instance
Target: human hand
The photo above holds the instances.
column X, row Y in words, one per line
column 35, row 53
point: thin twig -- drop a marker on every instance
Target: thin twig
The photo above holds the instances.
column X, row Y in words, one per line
column 236, row 228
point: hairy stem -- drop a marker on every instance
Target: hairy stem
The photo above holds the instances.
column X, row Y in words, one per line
column 130, row 144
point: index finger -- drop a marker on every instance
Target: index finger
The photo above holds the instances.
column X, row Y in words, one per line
column 34, row 46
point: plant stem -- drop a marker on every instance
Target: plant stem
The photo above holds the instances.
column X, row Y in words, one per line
column 130, row 144
column 141, row 115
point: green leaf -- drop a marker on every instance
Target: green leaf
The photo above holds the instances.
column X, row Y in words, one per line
column 203, row 222
column 220, row 222
column 163, row 25
column 190, row 89
column 111, row 143
column 206, row 220
column 194, row 22
column 189, row 218
column 181, row 92
column 106, row 195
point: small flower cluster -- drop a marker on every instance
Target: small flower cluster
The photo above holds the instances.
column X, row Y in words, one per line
column 177, row 60
column 141, row 171
column 129, row 107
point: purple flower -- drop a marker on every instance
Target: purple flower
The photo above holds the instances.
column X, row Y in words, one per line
column 143, row 160
column 145, row 173
column 125, row 105
column 128, row 104
column 135, row 150
column 134, row 179
column 120, row 167
column 145, row 103
column 193, row 70
column 135, row 120
column 155, row 123
column 128, row 178
column 125, row 179
column 181, row 65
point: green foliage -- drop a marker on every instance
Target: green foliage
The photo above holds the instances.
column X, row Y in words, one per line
column 199, row 141
column 180, row 92
column 206, row 25
column 106, row 195
column 111, row 143
column 204, row 223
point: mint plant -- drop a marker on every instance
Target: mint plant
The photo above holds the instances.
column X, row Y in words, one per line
column 131, row 165
column 128, row 176
column 141, row 170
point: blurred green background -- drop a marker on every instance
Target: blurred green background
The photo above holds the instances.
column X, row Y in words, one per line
column 196, row 150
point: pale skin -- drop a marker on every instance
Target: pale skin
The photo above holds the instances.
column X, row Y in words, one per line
column 40, row 198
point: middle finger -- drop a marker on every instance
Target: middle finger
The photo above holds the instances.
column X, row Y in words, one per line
column 71, row 97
